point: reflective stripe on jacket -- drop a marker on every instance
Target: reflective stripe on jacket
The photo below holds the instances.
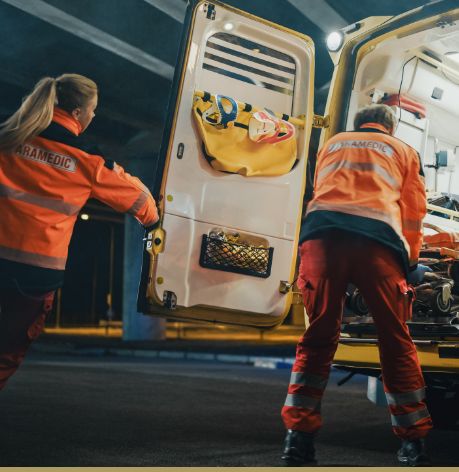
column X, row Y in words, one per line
column 369, row 182
column 45, row 183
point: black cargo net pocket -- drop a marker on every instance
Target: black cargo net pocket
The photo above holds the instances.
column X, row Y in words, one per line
column 219, row 254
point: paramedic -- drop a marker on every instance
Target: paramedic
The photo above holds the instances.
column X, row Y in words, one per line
column 363, row 226
column 46, row 176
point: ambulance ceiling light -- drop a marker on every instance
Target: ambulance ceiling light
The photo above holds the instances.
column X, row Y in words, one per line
column 335, row 40
column 228, row 26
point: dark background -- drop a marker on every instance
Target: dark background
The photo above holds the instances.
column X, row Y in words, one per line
column 129, row 47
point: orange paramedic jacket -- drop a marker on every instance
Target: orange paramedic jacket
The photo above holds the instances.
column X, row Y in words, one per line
column 45, row 183
column 369, row 182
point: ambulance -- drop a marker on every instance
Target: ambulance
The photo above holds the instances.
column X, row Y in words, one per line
column 231, row 177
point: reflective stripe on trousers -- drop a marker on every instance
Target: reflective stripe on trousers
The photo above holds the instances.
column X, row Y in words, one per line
column 302, row 401
column 304, row 395
column 311, row 380
column 405, row 398
column 408, row 410
column 410, row 419
column 305, row 390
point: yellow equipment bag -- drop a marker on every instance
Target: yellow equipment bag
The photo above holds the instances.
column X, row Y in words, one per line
column 228, row 147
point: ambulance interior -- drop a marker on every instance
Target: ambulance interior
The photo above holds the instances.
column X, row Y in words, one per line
column 424, row 67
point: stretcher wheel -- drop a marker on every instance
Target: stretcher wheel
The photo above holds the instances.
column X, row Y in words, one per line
column 357, row 304
column 439, row 307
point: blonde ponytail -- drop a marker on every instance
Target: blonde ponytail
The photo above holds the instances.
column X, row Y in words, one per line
column 33, row 116
column 69, row 91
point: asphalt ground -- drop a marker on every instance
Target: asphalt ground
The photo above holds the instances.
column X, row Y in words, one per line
column 106, row 410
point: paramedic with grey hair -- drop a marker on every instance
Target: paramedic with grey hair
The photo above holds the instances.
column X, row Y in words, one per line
column 363, row 226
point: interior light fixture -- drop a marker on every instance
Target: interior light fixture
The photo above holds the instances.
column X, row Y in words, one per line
column 335, row 40
column 228, row 26
column 84, row 216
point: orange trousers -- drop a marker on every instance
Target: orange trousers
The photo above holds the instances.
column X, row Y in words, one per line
column 22, row 318
column 327, row 266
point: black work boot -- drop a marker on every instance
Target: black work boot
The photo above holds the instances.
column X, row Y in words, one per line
column 298, row 448
column 413, row 453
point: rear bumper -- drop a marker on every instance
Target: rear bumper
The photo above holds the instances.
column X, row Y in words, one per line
column 434, row 355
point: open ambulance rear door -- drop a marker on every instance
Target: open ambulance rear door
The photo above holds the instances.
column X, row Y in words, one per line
column 226, row 244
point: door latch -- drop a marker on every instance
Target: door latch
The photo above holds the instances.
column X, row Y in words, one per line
column 209, row 9
column 155, row 241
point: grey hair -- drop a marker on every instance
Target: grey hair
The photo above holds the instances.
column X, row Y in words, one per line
column 381, row 114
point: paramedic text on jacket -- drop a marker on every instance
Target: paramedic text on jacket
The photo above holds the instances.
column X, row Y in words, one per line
column 363, row 226
column 46, row 177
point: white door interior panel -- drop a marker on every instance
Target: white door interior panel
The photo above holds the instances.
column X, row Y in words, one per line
column 254, row 62
column 201, row 286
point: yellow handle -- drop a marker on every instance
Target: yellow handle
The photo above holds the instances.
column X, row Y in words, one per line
column 295, row 121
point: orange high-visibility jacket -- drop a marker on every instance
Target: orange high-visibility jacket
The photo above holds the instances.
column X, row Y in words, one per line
column 369, row 182
column 45, row 183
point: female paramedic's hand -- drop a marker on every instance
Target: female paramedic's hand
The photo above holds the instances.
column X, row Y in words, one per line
column 416, row 276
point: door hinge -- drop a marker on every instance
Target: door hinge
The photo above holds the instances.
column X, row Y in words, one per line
column 285, row 287
column 319, row 121
column 209, row 9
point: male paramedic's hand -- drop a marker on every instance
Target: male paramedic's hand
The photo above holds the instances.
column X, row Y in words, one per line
column 416, row 276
